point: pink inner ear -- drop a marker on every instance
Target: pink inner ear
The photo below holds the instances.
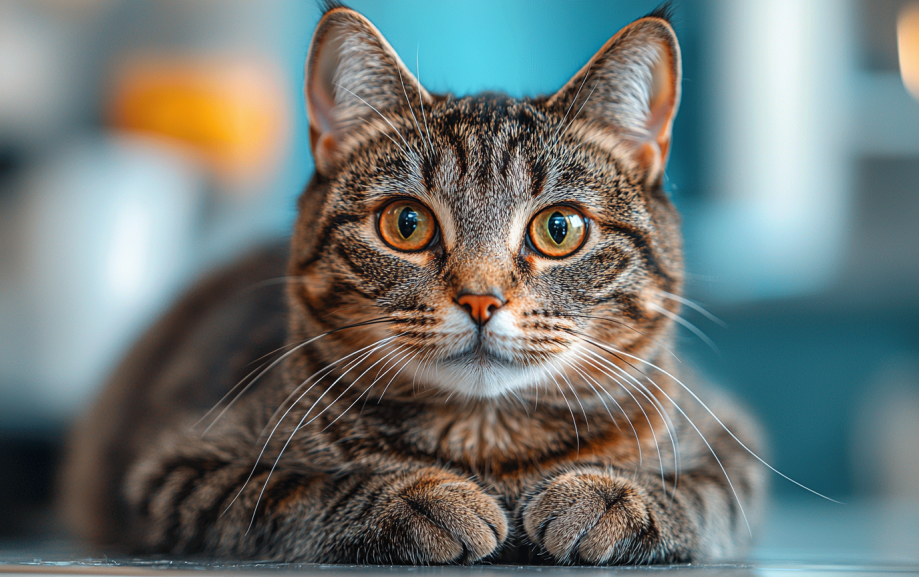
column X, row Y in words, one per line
column 321, row 106
column 320, row 92
column 661, row 103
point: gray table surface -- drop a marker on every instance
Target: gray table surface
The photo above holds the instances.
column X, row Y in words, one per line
column 805, row 537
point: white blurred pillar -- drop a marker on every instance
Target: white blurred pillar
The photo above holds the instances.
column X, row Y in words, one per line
column 778, row 169
column 109, row 229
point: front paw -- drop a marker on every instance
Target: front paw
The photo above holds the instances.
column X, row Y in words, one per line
column 432, row 516
column 589, row 516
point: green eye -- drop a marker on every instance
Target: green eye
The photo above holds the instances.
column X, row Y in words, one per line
column 558, row 231
column 407, row 225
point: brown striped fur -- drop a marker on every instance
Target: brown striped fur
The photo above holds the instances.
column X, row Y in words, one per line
column 556, row 432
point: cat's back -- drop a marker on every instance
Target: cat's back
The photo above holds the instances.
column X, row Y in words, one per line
column 184, row 364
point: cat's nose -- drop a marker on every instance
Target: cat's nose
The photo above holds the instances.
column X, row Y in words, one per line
column 480, row 307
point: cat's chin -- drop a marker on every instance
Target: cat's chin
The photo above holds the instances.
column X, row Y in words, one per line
column 480, row 375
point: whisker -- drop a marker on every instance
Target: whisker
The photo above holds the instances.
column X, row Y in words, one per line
column 391, row 365
column 568, row 111
column 391, row 125
column 328, row 369
column 379, row 320
column 584, row 377
column 694, row 306
column 578, row 113
column 421, row 363
column 404, row 153
column 695, row 330
column 396, row 375
column 642, row 390
column 420, row 99
column 390, row 353
column 693, row 425
column 300, row 424
column 577, row 436
column 627, row 326
column 613, row 399
column 721, row 424
column 348, row 308
column 266, row 355
column 578, row 399
column 522, row 404
column 262, row 368
column 665, row 418
column 230, row 392
column 268, row 282
column 410, row 108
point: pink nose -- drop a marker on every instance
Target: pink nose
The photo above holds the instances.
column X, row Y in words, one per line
column 480, row 307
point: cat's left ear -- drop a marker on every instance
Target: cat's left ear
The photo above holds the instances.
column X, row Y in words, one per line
column 353, row 76
column 630, row 90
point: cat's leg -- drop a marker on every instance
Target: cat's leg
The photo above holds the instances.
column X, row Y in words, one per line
column 598, row 514
column 424, row 516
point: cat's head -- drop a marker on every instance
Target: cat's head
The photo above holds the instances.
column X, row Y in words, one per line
column 498, row 241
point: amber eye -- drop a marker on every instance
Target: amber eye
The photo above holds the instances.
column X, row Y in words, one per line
column 558, row 231
column 406, row 225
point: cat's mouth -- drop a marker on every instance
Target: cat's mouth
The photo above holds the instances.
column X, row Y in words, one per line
column 480, row 356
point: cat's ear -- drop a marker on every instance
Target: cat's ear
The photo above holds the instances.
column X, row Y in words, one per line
column 631, row 89
column 353, row 76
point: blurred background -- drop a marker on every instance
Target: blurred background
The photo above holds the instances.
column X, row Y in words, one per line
column 143, row 143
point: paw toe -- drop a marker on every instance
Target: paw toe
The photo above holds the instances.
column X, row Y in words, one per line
column 451, row 520
column 587, row 518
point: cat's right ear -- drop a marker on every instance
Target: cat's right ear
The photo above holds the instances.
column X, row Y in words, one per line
column 353, row 76
column 630, row 90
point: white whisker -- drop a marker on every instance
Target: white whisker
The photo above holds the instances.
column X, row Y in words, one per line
column 421, row 99
column 694, row 306
column 701, row 436
column 665, row 418
column 396, row 375
column 328, row 368
column 695, row 330
column 386, row 342
column 270, row 367
column 720, row 423
column 564, row 118
column 585, row 378
column 381, row 359
column 410, row 108
column 577, row 436
column 385, row 120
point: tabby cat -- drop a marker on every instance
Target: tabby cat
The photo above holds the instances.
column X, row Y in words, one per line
column 468, row 359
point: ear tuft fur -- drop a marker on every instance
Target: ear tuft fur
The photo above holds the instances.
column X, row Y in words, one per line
column 326, row 6
column 664, row 12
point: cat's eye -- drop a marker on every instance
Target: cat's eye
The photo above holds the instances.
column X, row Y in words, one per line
column 558, row 231
column 407, row 225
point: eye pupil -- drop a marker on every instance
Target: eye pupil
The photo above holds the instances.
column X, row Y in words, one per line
column 406, row 225
column 408, row 222
column 557, row 231
column 558, row 227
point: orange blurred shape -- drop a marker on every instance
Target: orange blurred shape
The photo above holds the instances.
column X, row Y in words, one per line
column 908, row 46
column 230, row 113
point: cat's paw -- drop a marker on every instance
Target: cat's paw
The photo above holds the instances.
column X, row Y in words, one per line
column 433, row 517
column 590, row 517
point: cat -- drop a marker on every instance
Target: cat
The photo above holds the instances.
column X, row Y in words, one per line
column 469, row 358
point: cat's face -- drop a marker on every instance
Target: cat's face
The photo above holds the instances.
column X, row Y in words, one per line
column 503, row 241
